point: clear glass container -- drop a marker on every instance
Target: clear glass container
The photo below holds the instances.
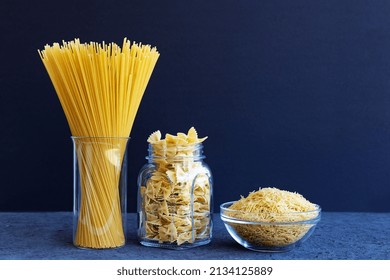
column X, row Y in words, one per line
column 175, row 192
column 257, row 232
column 100, row 184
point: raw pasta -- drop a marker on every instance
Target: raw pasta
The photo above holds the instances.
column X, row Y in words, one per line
column 176, row 198
column 100, row 87
column 271, row 205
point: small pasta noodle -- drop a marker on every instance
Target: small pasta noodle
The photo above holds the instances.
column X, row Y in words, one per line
column 100, row 87
column 278, row 210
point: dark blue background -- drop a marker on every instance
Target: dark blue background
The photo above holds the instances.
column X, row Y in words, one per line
column 293, row 94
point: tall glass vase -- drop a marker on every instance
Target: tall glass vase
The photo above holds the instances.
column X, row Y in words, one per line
column 100, row 186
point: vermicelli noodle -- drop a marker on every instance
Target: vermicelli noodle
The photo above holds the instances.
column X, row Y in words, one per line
column 276, row 215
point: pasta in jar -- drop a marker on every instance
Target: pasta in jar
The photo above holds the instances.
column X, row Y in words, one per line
column 175, row 193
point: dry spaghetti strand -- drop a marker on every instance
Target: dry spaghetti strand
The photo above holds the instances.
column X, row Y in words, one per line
column 100, row 87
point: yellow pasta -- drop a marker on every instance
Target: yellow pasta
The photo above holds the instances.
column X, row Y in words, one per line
column 271, row 205
column 176, row 199
column 100, row 87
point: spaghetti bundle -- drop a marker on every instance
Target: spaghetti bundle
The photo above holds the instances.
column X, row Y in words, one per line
column 100, row 87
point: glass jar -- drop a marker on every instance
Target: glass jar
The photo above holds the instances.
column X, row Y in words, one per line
column 175, row 198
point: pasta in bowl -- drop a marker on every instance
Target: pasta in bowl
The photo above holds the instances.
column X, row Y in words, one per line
column 259, row 229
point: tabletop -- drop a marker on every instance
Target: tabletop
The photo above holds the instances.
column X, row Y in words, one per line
column 339, row 235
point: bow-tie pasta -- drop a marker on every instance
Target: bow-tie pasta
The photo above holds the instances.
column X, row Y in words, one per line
column 175, row 197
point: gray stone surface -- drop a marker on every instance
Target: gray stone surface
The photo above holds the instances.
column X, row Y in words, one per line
column 338, row 236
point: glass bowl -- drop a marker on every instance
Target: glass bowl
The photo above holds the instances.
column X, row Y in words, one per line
column 269, row 232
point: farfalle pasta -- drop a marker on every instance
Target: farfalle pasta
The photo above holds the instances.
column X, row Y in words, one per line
column 175, row 191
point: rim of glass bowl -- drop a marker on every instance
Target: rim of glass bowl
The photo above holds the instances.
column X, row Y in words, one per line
column 226, row 218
